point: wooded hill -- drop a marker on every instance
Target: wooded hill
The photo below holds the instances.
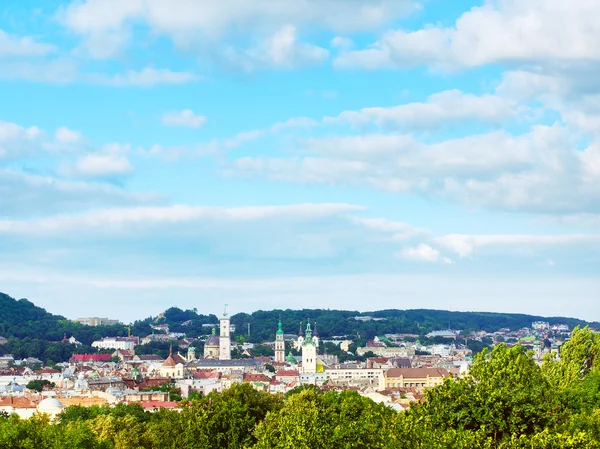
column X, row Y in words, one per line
column 32, row 331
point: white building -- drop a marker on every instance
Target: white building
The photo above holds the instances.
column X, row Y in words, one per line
column 95, row 321
column 540, row 325
column 126, row 343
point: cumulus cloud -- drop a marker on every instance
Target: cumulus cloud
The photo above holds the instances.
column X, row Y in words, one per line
column 180, row 18
column 185, row 117
column 466, row 245
column 16, row 140
column 425, row 253
column 444, row 108
column 22, row 46
column 110, row 161
column 281, row 50
column 66, row 135
column 211, row 28
column 540, row 170
column 512, row 32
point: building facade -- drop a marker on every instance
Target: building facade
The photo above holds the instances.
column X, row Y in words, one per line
column 95, row 321
column 127, row 343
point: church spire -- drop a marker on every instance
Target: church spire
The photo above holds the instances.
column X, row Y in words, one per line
column 308, row 331
column 301, row 333
column 279, row 327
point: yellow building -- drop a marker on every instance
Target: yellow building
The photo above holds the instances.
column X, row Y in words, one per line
column 418, row 378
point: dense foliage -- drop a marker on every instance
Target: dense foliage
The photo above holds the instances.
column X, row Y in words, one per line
column 508, row 401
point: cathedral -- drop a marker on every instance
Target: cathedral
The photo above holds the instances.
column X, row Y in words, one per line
column 307, row 343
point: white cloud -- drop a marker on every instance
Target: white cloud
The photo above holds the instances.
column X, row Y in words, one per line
column 185, row 117
column 281, row 50
column 66, row 135
column 400, row 231
column 525, row 172
column 145, row 77
column 424, row 252
column 509, row 31
column 179, row 18
column 27, row 194
column 211, row 28
column 16, row 140
column 105, row 45
column 148, row 216
column 294, row 123
column 102, row 165
column 440, row 109
column 466, row 245
column 22, row 46
column 110, row 161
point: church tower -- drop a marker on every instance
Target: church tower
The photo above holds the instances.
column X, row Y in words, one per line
column 309, row 352
column 225, row 337
column 279, row 344
column 300, row 337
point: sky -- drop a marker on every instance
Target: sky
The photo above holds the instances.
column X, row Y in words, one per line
column 269, row 154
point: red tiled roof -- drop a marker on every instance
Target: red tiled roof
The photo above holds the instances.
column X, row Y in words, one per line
column 91, row 357
column 150, row 357
column 256, row 378
column 288, row 373
column 16, row 402
column 170, row 361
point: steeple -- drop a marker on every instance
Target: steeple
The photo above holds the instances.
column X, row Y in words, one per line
column 315, row 333
column 301, row 333
column 308, row 331
column 214, row 330
column 279, row 327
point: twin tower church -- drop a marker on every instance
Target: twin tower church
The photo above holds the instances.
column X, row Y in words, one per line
column 219, row 347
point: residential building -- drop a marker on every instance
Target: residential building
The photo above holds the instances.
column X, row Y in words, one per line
column 418, row 378
column 116, row 343
column 95, row 321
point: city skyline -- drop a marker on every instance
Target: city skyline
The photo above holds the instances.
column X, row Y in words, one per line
column 344, row 155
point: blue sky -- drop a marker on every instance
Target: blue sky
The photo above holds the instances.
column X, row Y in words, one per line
column 361, row 154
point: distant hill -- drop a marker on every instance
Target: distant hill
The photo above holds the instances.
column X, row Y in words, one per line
column 263, row 324
column 32, row 330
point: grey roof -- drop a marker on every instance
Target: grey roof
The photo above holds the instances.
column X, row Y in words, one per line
column 213, row 340
column 220, row 363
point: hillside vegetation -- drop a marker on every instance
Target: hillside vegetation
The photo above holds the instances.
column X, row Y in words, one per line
column 34, row 332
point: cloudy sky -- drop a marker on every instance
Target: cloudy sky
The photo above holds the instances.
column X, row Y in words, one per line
column 316, row 153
